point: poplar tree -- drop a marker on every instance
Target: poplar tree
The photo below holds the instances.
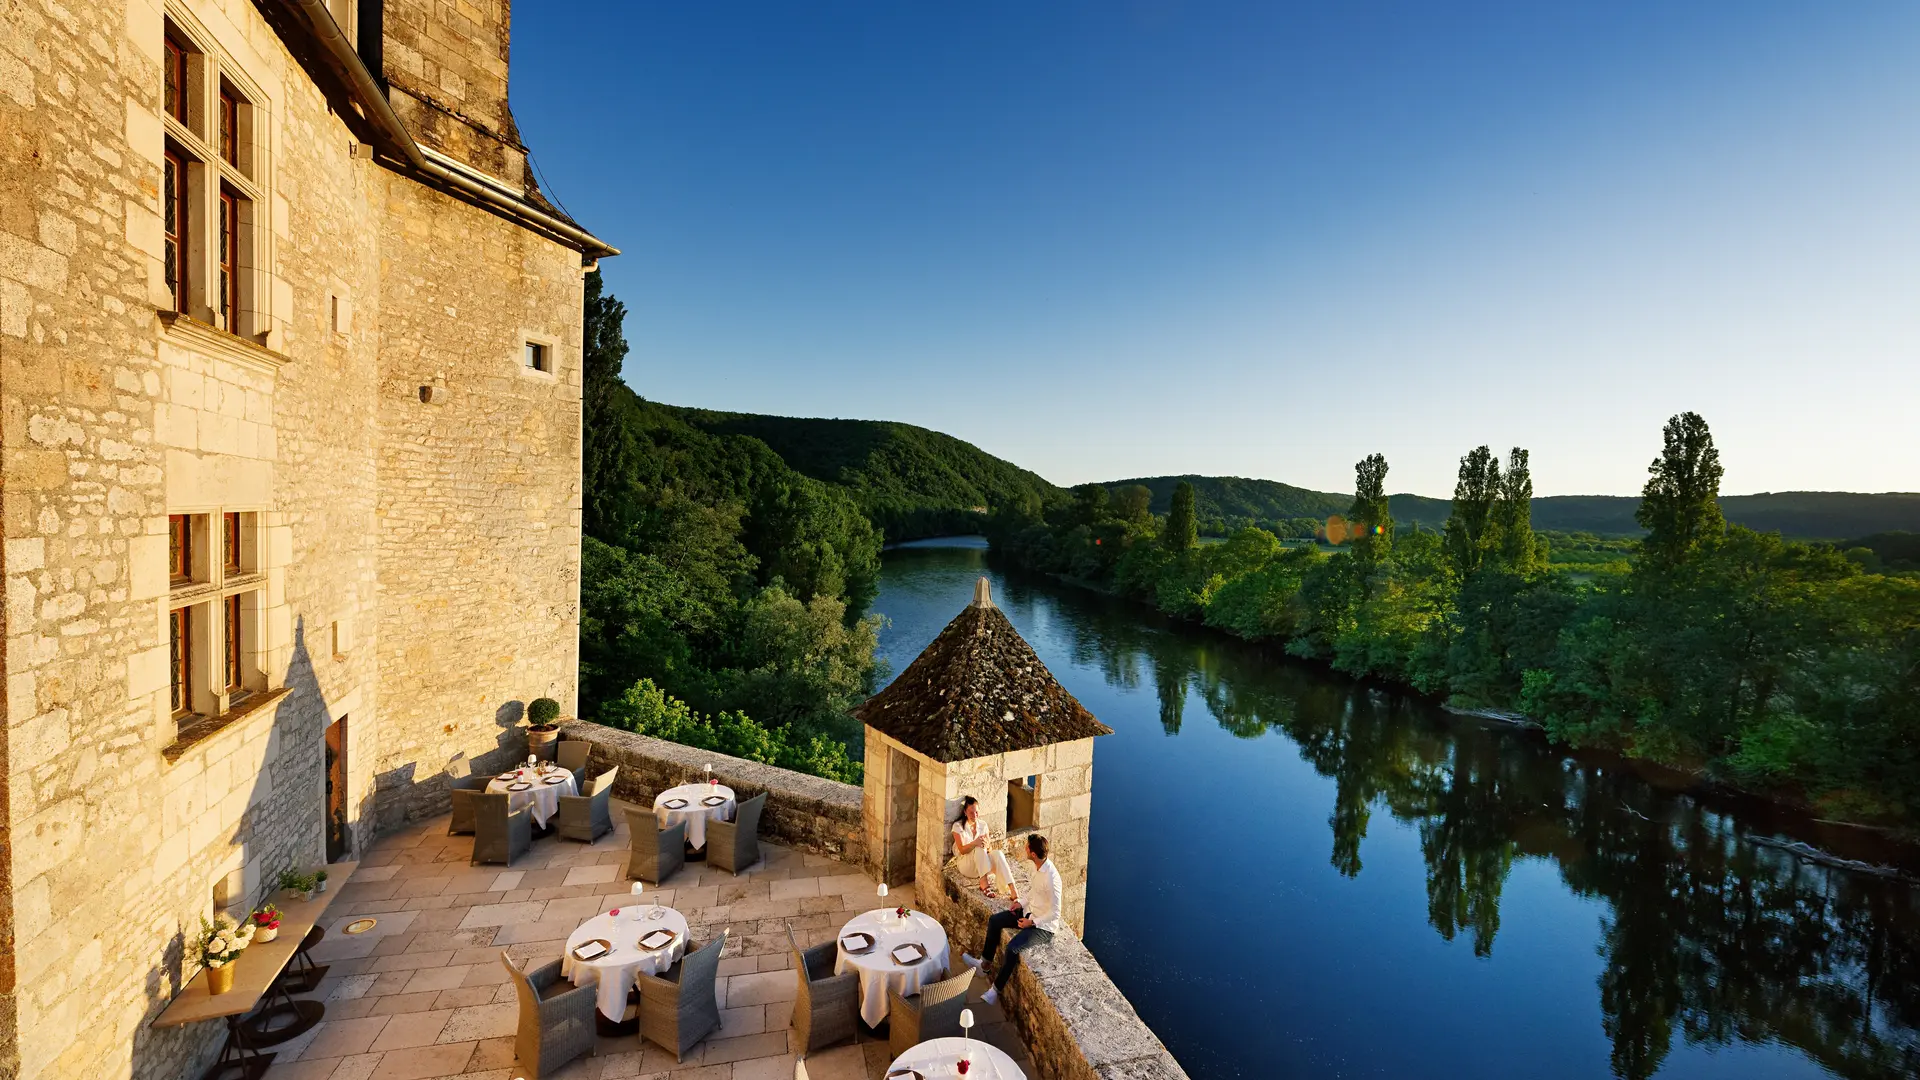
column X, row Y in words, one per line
column 1369, row 515
column 1183, row 527
column 1513, row 515
column 1680, row 505
column 1471, row 530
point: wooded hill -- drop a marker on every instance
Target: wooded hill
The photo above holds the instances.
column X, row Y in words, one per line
column 1224, row 503
column 910, row 481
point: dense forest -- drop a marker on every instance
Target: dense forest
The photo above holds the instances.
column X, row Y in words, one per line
column 1702, row 643
column 722, row 593
column 1227, row 503
column 909, row 481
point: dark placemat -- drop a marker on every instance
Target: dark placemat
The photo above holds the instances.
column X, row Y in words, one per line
column 915, row 952
column 521, row 786
column 660, row 939
column 675, row 804
column 556, row 780
column 605, row 948
column 714, row 800
column 867, row 948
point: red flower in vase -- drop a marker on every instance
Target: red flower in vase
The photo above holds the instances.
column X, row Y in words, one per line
column 901, row 912
column 963, row 1065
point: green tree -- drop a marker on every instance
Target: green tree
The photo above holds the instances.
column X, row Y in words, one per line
column 1471, row 530
column 1132, row 503
column 1183, row 528
column 1369, row 515
column 1680, row 504
column 1513, row 516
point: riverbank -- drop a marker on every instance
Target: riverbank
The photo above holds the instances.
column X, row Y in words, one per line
column 1819, row 834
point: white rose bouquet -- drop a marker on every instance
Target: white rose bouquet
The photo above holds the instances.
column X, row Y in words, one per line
column 222, row 940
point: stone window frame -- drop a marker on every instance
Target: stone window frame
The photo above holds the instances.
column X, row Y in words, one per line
column 549, row 349
column 209, row 598
column 225, row 243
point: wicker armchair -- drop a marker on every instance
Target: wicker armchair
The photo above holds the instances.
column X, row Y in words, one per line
column 735, row 845
column 589, row 816
column 653, row 853
column 826, row 1008
column 933, row 1013
column 461, row 783
column 556, row 1025
column 500, row 834
column 571, row 754
column 681, row 1006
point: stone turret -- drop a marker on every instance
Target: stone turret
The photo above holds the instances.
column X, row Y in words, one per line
column 977, row 714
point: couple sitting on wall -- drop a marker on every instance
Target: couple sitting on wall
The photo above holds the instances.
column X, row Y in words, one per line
column 1039, row 920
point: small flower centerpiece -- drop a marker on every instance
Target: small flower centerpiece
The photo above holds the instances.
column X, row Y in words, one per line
column 266, row 923
column 902, row 912
column 963, row 1065
column 219, row 947
column 298, row 884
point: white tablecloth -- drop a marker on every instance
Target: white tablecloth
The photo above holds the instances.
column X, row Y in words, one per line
column 936, row 1059
column 614, row 973
column 878, row 973
column 543, row 797
column 694, row 814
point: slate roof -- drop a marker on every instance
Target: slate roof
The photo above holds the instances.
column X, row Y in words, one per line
column 978, row 690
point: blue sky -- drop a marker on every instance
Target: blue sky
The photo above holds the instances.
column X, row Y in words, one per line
column 1113, row 239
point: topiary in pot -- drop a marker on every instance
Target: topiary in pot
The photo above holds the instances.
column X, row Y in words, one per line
column 542, row 713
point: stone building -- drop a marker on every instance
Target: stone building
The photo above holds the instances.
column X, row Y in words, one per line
column 978, row 714
column 289, row 470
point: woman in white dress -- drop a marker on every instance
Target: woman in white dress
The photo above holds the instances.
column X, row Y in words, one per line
column 970, row 842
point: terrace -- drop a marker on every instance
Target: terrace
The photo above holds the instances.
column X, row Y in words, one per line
column 423, row 993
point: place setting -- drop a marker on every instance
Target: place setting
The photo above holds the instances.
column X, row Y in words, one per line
column 610, row 950
column 890, row 949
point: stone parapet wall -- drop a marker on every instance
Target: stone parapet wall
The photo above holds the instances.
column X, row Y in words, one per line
column 1075, row 1023
column 809, row 813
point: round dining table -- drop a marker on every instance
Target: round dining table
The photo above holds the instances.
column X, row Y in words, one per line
column 614, row 970
column 939, row 1059
column 697, row 804
column 541, row 791
column 879, row 968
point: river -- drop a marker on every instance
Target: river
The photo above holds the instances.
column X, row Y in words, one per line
column 1294, row 875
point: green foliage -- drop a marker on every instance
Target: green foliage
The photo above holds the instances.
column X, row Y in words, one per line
column 1183, row 528
column 646, row 710
column 909, row 481
column 1679, row 507
column 1767, row 661
column 1894, row 552
column 714, row 570
column 542, row 710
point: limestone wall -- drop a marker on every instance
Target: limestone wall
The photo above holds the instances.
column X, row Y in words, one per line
column 804, row 812
column 1075, row 1023
column 412, row 567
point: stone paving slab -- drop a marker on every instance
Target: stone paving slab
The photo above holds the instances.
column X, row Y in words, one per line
column 423, row 994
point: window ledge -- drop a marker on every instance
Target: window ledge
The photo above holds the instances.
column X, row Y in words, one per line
column 196, row 730
column 195, row 334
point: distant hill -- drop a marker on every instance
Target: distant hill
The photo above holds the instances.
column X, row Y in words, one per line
column 1231, row 501
column 912, row 482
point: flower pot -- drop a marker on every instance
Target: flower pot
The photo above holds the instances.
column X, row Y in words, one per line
column 265, row 934
column 320, row 886
column 219, row 979
column 540, row 743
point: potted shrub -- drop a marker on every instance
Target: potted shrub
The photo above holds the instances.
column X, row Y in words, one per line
column 218, row 949
column 320, row 880
column 542, row 731
column 298, row 884
column 266, row 923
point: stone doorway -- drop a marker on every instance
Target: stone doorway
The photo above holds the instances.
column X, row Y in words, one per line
column 339, row 836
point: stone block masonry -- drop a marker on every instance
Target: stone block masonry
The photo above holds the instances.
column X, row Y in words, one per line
column 806, row 813
column 405, row 568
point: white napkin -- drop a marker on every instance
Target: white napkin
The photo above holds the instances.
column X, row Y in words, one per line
column 592, row 950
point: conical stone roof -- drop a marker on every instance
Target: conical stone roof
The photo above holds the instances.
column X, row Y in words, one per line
column 978, row 690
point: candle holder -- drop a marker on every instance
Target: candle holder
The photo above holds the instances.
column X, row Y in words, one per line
column 966, row 1029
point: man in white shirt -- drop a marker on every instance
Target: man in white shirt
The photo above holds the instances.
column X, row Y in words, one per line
column 1036, row 925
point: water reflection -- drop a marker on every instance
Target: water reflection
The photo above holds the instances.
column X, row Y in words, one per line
column 1706, row 940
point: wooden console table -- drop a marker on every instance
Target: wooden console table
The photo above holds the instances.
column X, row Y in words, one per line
column 256, row 981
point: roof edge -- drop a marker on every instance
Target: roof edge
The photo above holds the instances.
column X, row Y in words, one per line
column 401, row 153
